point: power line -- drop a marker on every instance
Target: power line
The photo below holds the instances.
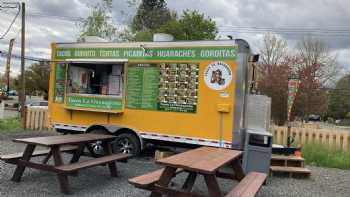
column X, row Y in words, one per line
column 289, row 33
column 59, row 17
column 66, row 18
column 4, row 54
column 316, row 31
column 12, row 22
column 307, row 29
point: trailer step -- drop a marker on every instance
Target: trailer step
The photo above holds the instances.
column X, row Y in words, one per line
column 290, row 171
column 287, row 161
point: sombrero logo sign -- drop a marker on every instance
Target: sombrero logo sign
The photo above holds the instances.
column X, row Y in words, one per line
column 217, row 75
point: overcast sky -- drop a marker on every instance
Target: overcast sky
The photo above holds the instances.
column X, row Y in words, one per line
column 56, row 21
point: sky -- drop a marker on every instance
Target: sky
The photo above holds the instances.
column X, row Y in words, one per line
column 57, row 21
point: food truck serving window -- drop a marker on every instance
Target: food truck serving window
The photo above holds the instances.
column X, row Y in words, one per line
column 95, row 79
column 95, row 86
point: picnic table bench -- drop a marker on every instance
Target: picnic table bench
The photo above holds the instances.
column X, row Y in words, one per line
column 57, row 145
column 14, row 157
column 205, row 161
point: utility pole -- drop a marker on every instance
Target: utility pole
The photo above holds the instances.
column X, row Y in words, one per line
column 8, row 64
column 23, row 90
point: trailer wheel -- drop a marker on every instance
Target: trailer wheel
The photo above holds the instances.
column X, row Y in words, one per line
column 97, row 146
column 128, row 144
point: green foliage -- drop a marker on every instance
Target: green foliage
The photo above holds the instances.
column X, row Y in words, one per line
column 154, row 17
column 324, row 156
column 192, row 25
column 339, row 102
column 125, row 35
column 151, row 14
column 9, row 124
column 99, row 23
column 143, row 36
column 36, row 79
column 2, row 83
column 347, row 116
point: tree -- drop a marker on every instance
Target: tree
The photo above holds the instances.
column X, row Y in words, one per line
column 273, row 51
column 313, row 64
column 99, row 22
column 339, row 102
column 315, row 53
column 316, row 67
column 2, row 83
column 274, row 84
column 192, row 25
column 154, row 17
column 37, row 79
column 311, row 98
column 273, row 73
column 151, row 14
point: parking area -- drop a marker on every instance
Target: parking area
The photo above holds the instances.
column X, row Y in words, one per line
column 97, row 182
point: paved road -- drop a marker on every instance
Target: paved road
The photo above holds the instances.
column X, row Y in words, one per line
column 13, row 113
column 29, row 99
column 10, row 114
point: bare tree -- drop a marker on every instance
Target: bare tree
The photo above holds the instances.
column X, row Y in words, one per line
column 316, row 68
column 273, row 75
column 273, row 50
column 315, row 53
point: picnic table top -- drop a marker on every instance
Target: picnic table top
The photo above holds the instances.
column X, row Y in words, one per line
column 204, row 159
column 65, row 139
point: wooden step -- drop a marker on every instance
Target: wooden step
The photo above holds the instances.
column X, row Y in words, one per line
column 289, row 158
column 92, row 162
column 287, row 161
column 290, row 170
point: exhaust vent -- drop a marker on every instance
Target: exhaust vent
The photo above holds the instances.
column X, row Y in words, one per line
column 161, row 37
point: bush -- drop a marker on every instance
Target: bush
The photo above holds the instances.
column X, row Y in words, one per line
column 9, row 124
column 324, row 156
column 347, row 116
column 344, row 122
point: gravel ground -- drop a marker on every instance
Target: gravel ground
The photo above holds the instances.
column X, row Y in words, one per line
column 97, row 182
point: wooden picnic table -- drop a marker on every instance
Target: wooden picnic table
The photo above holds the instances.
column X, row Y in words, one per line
column 55, row 144
column 205, row 161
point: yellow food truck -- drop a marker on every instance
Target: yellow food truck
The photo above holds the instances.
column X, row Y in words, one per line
column 170, row 92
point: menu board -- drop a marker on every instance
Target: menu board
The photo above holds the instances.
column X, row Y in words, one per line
column 163, row 87
column 150, row 87
column 142, row 86
column 60, row 77
column 178, row 87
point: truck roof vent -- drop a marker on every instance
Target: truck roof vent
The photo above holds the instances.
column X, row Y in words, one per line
column 161, row 37
column 92, row 39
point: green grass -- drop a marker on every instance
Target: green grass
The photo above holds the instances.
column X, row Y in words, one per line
column 324, row 156
column 9, row 124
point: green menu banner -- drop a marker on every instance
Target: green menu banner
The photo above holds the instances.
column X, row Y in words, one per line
column 60, row 77
column 98, row 103
column 174, row 53
column 142, row 88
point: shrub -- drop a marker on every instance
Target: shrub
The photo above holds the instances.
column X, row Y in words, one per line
column 9, row 124
column 324, row 156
